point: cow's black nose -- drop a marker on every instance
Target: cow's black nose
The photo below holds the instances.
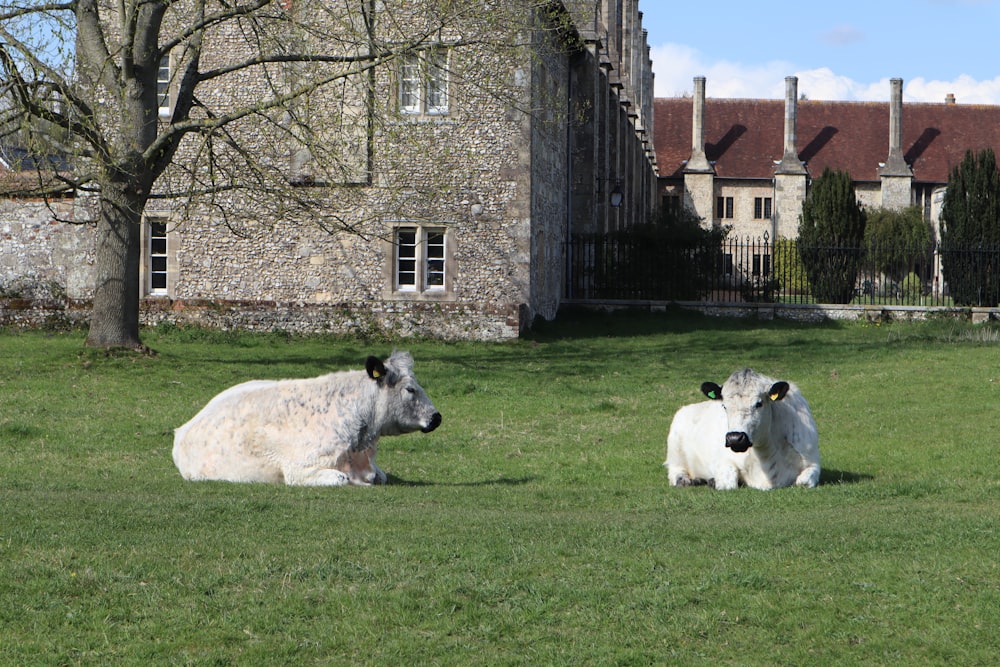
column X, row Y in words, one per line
column 435, row 422
column 738, row 441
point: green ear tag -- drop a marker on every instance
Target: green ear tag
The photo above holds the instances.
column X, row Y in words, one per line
column 712, row 395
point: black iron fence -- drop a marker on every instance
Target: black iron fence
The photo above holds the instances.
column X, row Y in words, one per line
column 746, row 269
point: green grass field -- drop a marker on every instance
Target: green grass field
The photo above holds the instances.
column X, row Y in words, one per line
column 536, row 526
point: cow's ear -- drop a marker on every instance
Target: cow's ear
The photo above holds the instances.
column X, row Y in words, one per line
column 778, row 391
column 376, row 369
column 712, row 390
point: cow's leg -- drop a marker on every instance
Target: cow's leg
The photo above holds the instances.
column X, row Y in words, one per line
column 809, row 477
column 360, row 467
column 678, row 476
column 727, row 477
column 316, row 477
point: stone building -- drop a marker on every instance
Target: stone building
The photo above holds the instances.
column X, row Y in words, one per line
column 568, row 147
column 747, row 163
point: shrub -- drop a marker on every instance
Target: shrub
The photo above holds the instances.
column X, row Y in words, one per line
column 899, row 239
column 673, row 257
column 788, row 268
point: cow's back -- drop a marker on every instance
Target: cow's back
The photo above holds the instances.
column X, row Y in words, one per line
column 206, row 446
column 249, row 432
column 693, row 431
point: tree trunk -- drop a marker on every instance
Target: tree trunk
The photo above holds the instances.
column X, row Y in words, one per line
column 115, row 317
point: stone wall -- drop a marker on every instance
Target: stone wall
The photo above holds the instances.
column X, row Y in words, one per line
column 550, row 175
column 452, row 321
column 799, row 312
column 43, row 255
column 467, row 171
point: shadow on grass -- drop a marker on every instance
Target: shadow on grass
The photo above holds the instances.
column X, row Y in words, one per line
column 829, row 476
column 580, row 323
column 11, row 431
column 502, row 481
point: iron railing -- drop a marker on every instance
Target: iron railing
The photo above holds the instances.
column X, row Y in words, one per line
column 880, row 272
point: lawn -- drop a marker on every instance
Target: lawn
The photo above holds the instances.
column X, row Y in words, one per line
column 536, row 526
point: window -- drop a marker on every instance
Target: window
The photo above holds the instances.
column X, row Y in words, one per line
column 761, row 207
column 157, row 257
column 409, row 85
column 423, row 83
column 761, row 263
column 420, row 259
column 723, row 207
column 163, row 86
column 672, row 204
column 726, row 264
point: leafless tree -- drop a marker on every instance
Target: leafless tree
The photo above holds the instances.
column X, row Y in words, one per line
column 255, row 110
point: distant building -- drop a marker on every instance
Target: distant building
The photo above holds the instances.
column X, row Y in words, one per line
column 748, row 163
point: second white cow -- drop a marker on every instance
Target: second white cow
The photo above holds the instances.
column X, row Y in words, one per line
column 754, row 431
column 317, row 431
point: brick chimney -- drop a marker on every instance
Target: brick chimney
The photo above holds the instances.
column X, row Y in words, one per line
column 790, row 163
column 949, row 98
column 698, row 162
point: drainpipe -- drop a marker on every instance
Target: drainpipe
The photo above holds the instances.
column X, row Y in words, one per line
column 568, row 268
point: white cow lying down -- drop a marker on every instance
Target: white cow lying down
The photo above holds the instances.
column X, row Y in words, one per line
column 754, row 431
column 318, row 431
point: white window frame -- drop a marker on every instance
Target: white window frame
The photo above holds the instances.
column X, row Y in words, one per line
column 157, row 257
column 165, row 108
column 409, row 85
column 423, row 83
column 420, row 260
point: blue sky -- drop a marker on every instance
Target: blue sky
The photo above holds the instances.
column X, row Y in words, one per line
column 846, row 50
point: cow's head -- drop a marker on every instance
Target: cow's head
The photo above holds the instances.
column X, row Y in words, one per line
column 404, row 403
column 746, row 397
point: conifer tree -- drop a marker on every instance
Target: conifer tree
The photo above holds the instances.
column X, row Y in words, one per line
column 970, row 230
column 831, row 231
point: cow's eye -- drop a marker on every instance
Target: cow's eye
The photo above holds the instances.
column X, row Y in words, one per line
column 411, row 390
column 758, row 405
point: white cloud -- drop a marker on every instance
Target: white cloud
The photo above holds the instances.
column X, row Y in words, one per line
column 823, row 84
column 966, row 90
column 676, row 65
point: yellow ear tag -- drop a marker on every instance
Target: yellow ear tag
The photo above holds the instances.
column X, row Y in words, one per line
column 775, row 396
column 376, row 374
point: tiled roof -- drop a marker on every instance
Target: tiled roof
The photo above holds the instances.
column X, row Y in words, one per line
column 14, row 158
column 745, row 137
